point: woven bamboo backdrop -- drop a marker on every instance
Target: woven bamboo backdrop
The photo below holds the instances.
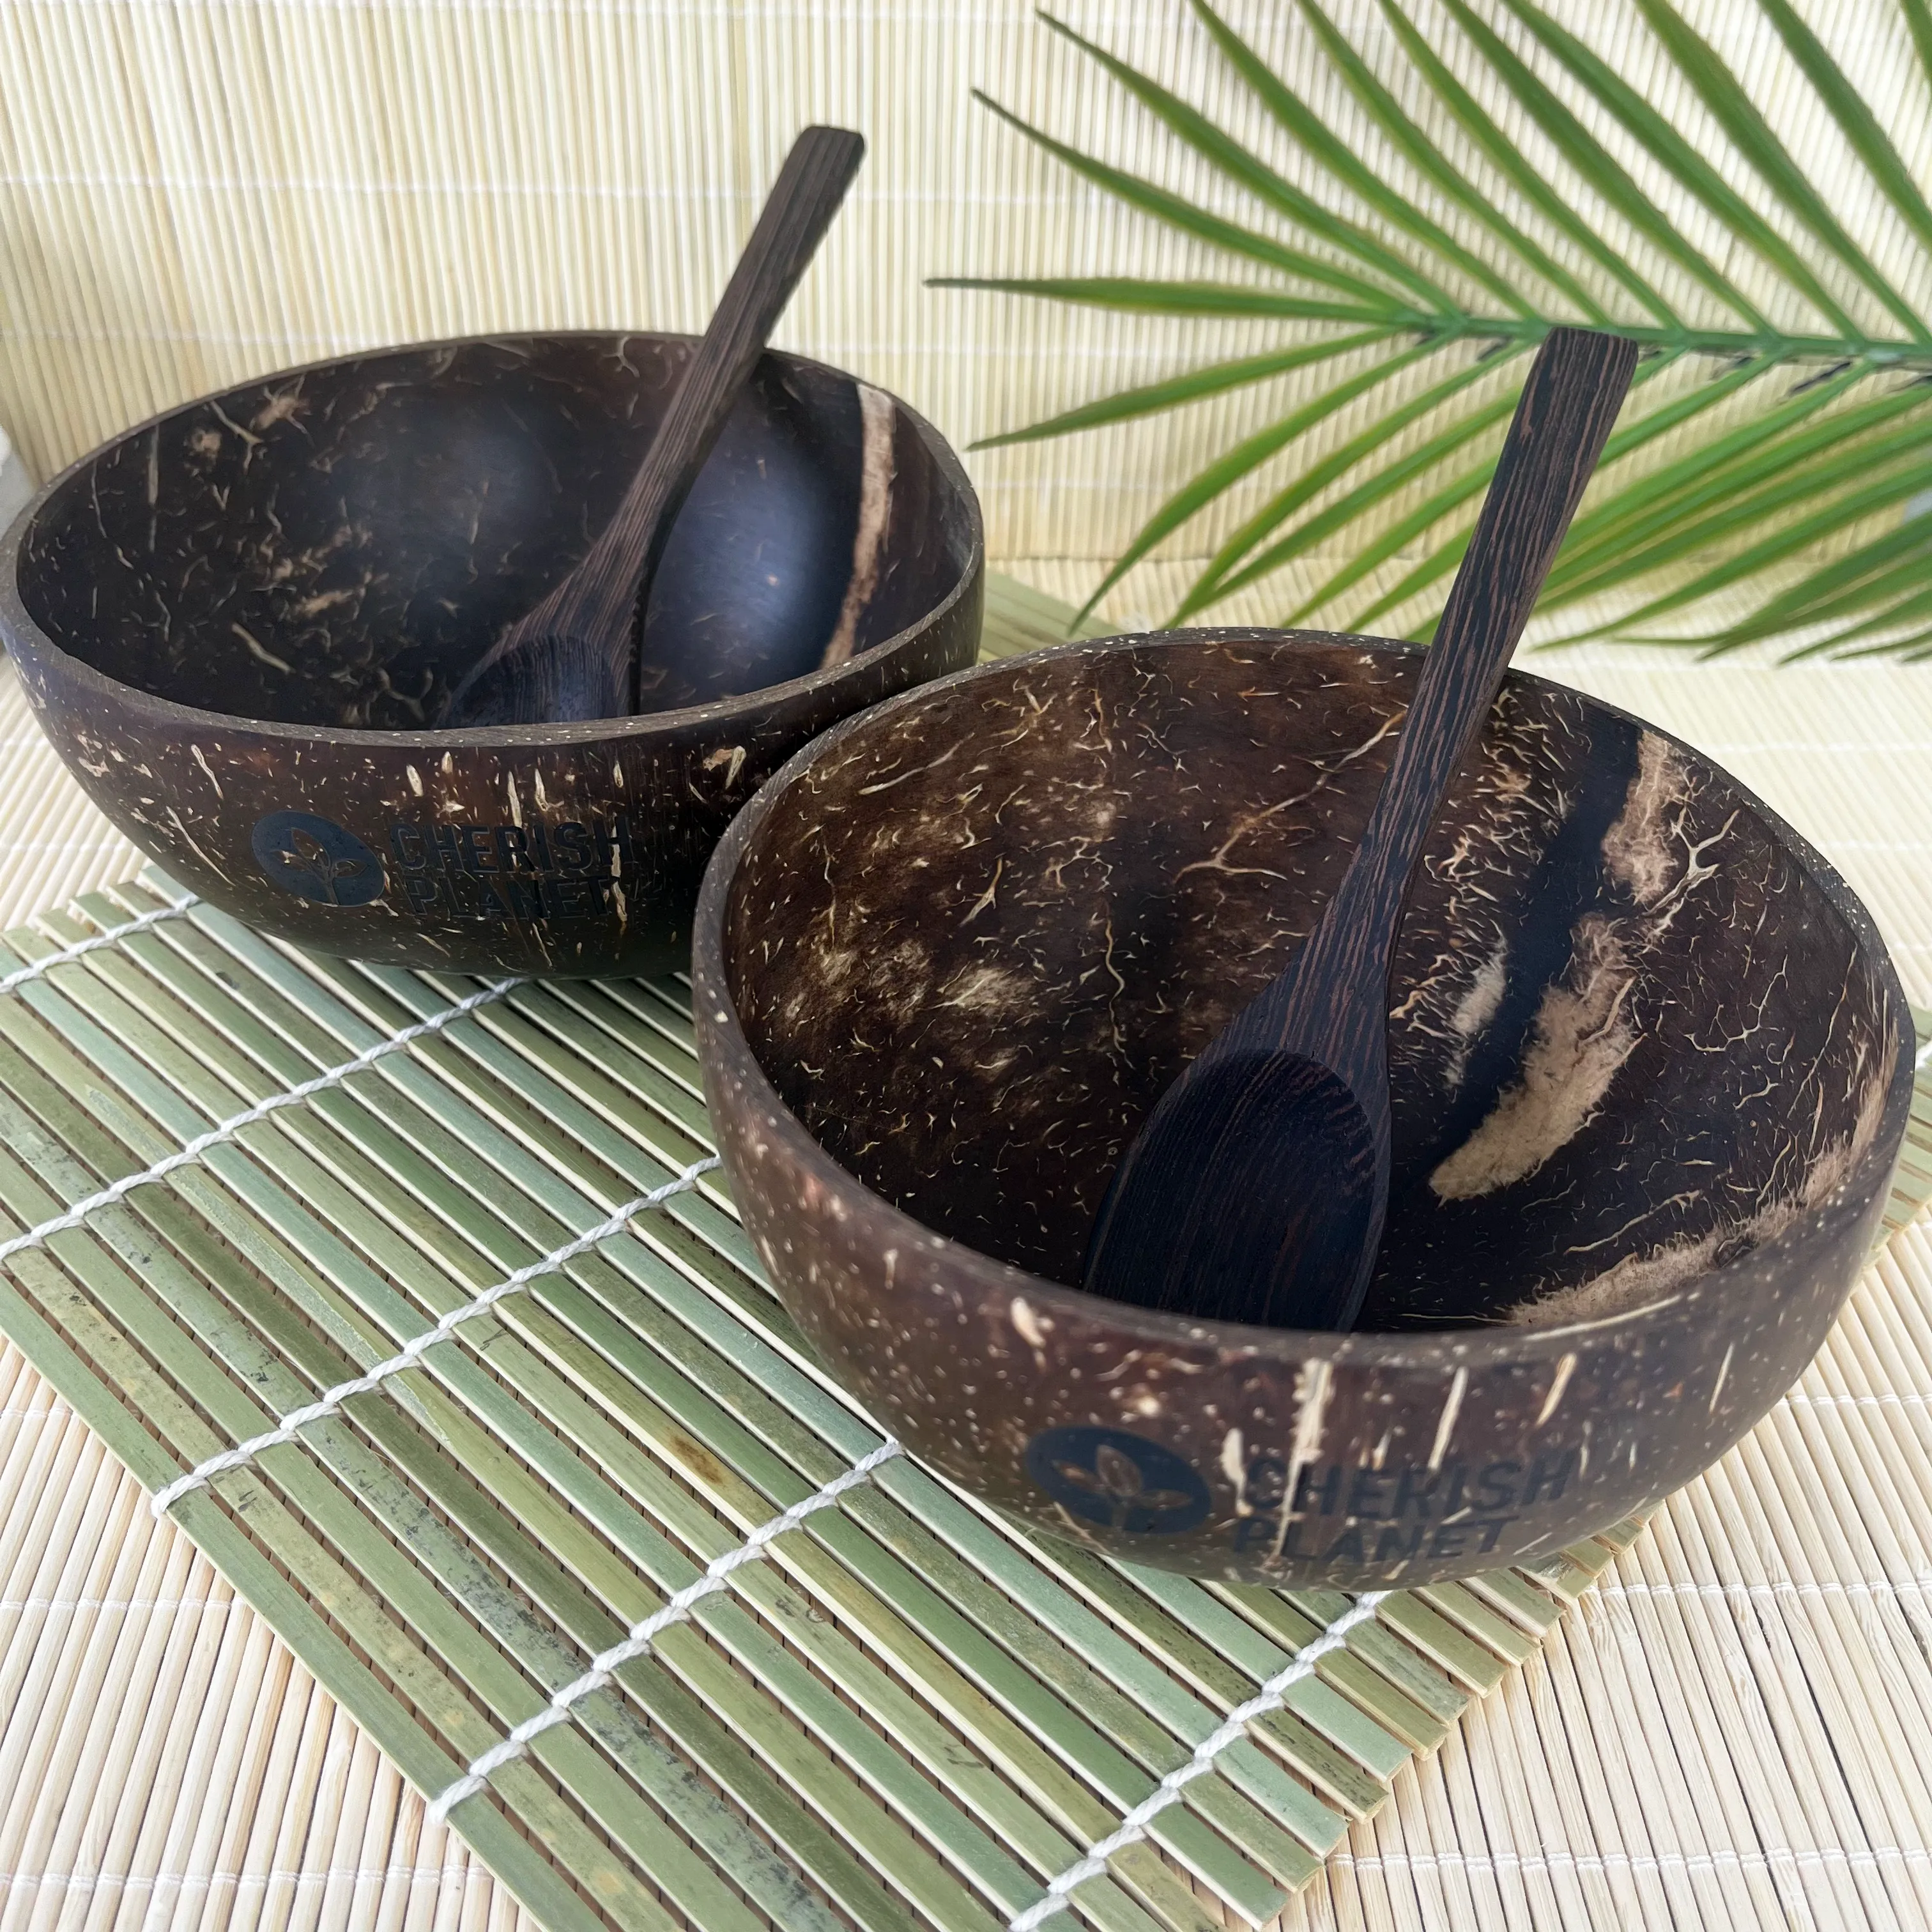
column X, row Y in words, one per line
column 193, row 191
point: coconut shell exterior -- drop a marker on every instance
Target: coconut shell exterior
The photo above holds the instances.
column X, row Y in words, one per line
column 237, row 622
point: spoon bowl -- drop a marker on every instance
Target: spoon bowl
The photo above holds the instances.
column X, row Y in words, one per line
column 1266, row 1125
column 575, row 655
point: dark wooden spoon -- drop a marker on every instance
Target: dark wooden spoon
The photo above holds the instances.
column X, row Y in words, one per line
column 575, row 656
column 1256, row 1189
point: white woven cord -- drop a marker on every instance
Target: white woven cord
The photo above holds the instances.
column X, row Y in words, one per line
column 72, row 1217
column 413, row 1350
column 22, row 974
column 1134, row 1826
column 674, row 1609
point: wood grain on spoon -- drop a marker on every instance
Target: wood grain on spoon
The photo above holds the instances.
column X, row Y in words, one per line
column 573, row 656
column 1256, row 1189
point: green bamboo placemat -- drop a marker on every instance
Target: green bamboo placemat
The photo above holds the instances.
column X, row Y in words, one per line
column 557, row 1412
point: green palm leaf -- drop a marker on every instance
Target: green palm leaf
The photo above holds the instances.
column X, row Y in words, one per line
column 1595, row 164
column 1752, row 134
column 1431, row 161
column 1778, row 430
column 1691, row 169
column 1221, row 577
column 1210, row 380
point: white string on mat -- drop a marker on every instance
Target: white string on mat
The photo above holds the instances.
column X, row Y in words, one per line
column 413, row 1351
column 675, row 1608
column 1135, row 1825
column 227, row 1129
column 22, row 974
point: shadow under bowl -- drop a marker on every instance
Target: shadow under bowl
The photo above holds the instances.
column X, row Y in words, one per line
column 1650, row 1066
column 236, row 621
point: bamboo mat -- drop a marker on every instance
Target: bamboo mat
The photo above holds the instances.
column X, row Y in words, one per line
column 157, row 998
column 186, row 1768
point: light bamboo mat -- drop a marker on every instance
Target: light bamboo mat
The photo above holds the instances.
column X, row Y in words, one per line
column 1721, row 1736
column 192, row 191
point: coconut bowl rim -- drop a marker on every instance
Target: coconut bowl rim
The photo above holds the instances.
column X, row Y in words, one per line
column 721, row 1037
column 668, row 727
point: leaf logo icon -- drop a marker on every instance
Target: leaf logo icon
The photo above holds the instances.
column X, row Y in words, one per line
column 316, row 858
column 1117, row 1480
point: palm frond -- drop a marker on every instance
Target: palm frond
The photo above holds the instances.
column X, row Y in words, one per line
column 1778, row 431
column 1209, row 380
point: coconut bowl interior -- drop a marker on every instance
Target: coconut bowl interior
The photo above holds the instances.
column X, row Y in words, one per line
column 1637, row 1029
column 335, row 546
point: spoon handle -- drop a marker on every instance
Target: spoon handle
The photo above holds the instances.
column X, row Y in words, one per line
column 1575, row 387
column 597, row 600
column 1256, row 1189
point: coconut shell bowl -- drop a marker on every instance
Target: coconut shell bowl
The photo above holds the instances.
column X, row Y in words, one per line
column 1650, row 1065
column 239, row 623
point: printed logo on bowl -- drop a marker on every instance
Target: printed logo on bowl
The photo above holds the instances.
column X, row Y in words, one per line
column 315, row 859
column 1117, row 1480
